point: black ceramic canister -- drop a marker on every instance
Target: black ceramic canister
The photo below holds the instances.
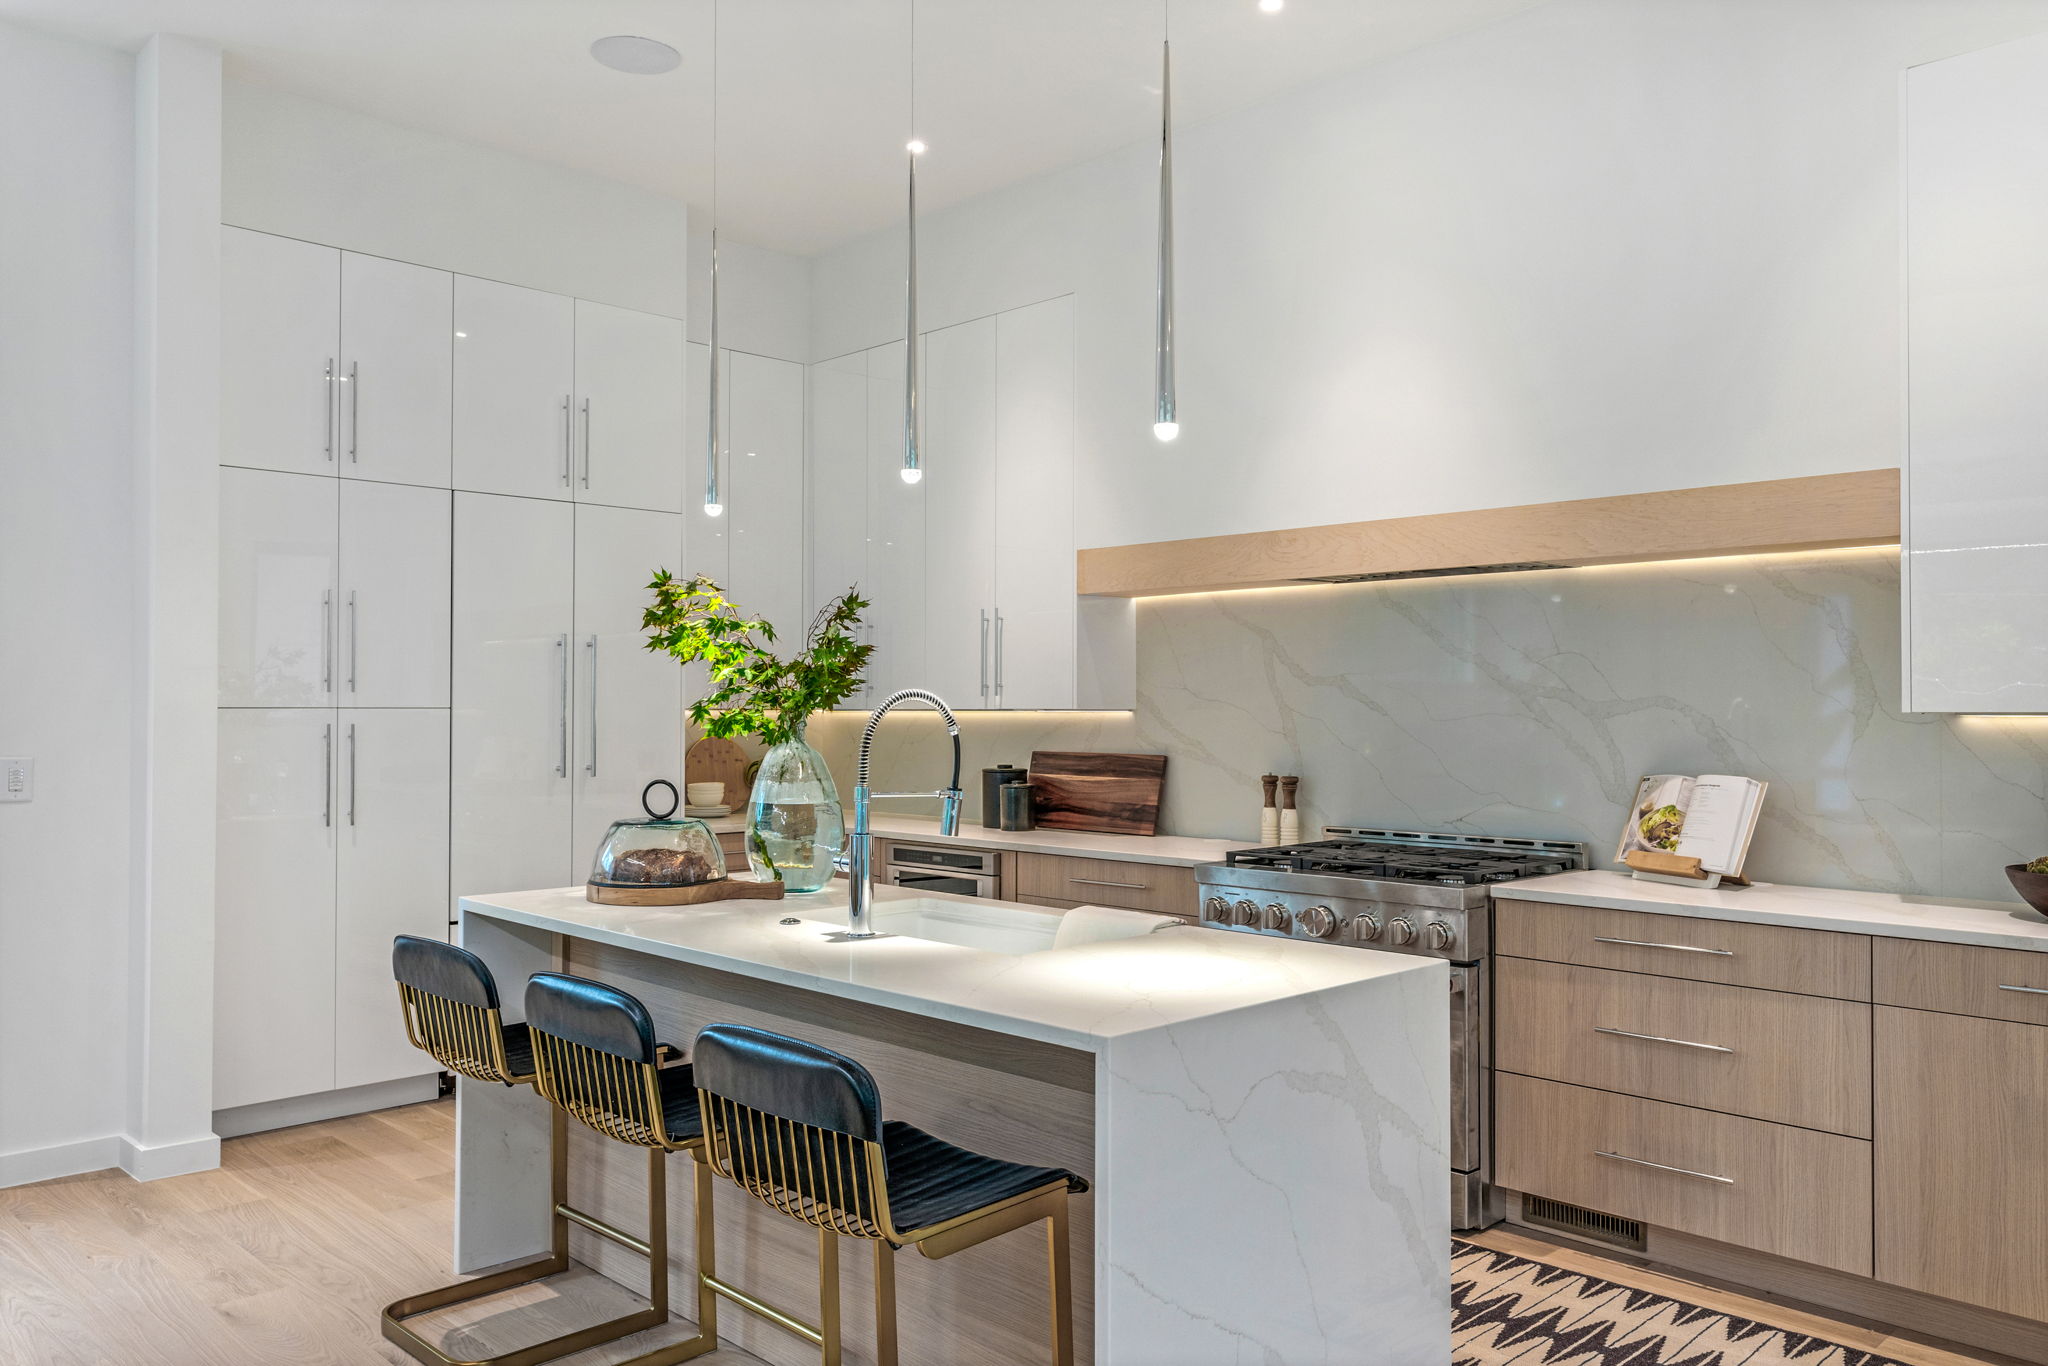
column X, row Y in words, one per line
column 993, row 780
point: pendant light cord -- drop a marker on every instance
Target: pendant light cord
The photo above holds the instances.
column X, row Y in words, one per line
column 713, row 501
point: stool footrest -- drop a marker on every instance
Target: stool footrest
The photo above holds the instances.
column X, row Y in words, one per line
column 778, row 1317
column 604, row 1230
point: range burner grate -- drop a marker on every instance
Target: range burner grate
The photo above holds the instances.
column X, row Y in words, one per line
column 1403, row 863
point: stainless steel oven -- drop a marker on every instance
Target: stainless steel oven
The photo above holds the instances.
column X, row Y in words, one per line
column 943, row 868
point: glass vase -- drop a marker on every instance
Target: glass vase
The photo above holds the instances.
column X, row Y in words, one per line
column 795, row 827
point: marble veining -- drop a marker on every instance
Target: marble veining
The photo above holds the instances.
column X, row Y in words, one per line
column 1529, row 704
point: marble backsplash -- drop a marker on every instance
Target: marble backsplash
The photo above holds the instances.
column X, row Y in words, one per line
column 1529, row 704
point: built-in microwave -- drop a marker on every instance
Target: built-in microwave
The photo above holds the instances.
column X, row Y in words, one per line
column 930, row 868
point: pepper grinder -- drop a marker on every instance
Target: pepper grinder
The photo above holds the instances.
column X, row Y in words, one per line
column 1269, row 816
column 1290, row 819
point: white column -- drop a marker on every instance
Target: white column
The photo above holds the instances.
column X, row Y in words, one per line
column 177, row 439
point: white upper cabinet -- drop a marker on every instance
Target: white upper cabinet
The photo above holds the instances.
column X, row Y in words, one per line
column 896, row 567
column 765, row 502
column 280, row 350
column 706, row 542
column 394, row 372
column 837, row 415
column 629, row 408
column 515, row 379
column 393, row 605
column 1034, row 655
column 279, row 608
column 1976, row 496
column 959, row 457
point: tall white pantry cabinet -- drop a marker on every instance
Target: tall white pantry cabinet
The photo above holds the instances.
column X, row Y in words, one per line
column 442, row 499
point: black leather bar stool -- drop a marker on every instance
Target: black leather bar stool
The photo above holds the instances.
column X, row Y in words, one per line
column 451, row 1008
column 800, row 1128
column 596, row 1058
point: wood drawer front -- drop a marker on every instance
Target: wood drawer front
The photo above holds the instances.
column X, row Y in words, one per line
column 1963, row 979
column 734, row 845
column 1160, row 887
column 1790, row 1192
column 1801, row 1060
column 1811, row 962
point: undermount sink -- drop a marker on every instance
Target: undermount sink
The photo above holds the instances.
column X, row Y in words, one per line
column 995, row 928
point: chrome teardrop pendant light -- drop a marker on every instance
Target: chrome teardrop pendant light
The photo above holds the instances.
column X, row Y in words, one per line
column 714, row 503
column 913, row 467
column 1166, row 405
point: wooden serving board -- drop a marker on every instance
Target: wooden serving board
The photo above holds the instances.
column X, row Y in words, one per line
column 718, row 761
column 1107, row 794
column 696, row 894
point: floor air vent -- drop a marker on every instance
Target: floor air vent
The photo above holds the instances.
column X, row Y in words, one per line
column 1387, row 575
column 1611, row 1229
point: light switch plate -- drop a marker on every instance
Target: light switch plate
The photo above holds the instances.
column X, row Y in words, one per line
column 17, row 780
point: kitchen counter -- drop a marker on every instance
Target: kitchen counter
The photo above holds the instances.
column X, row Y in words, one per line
column 1995, row 924
column 1266, row 1122
column 1177, row 850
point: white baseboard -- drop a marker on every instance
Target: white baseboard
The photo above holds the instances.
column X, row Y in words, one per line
column 147, row 1162
column 62, row 1159
column 351, row 1100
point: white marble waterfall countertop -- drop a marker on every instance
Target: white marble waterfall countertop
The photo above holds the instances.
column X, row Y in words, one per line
column 1995, row 924
column 1180, row 850
column 1080, row 997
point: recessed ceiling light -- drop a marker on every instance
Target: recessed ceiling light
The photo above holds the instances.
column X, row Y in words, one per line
column 1271, row 6
column 636, row 56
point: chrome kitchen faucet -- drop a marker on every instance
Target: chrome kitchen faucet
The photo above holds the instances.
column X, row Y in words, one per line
column 859, row 857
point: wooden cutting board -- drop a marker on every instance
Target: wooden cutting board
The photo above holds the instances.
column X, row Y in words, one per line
column 1107, row 794
column 718, row 761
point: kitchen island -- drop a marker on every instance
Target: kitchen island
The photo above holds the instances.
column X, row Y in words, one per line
column 1265, row 1123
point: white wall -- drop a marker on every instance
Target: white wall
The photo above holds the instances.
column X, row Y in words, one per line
column 304, row 169
column 764, row 296
column 66, row 576
column 1601, row 247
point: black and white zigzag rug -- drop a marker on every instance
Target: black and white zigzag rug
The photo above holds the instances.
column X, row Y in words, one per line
column 1510, row 1311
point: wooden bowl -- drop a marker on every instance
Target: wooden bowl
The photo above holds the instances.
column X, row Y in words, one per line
column 2032, row 887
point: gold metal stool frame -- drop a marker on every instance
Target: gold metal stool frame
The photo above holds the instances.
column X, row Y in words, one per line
column 470, row 1040
column 850, row 1175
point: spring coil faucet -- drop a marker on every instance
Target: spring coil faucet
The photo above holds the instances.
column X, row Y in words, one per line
column 858, row 861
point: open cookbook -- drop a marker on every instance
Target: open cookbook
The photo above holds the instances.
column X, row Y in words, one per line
column 1676, row 820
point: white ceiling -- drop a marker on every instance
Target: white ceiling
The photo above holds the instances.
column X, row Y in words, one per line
column 813, row 106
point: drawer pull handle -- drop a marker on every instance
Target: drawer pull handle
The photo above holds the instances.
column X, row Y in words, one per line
column 1646, row 944
column 1675, row 1171
column 1659, row 1038
column 2031, row 991
column 1098, row 882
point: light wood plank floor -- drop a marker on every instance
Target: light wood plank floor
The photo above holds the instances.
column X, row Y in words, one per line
column 286, row 1254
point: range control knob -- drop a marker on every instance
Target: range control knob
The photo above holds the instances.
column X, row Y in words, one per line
column 1402, row 931
column 1216, row 909
column 1246, row 913
column 1318, row 922
column 1368, row 925
column 1441, row 936
column 1279, row 918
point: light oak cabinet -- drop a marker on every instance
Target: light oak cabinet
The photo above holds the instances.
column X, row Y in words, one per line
column 1064, row 880
column 1811, row 962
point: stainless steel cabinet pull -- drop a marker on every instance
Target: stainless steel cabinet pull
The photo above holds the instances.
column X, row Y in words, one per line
column 984, row 652
column 355, row 403
column 327, row 774
column 999, row 653
column 1676, row 948
column 568, row 441
column 562, row 654
column 351, row 640
column 591, row 767
column 1675, row 1171
column 586, row 443
column 1659, row 1038
column 327, row 641
column 351, row 773
column 2031, row 991
column 1098, row 882
column 329, row 429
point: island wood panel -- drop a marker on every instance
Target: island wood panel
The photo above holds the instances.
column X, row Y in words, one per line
column 1962, row 1197
column 1167, row 889
column 1790, row 1192
column 1109, row 794
column 1801, row 1060
column 1810, row 962
column 1812, row 512
column 1962, row 979
column 995, row 1093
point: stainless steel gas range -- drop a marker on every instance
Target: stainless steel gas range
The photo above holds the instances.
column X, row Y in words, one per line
column 1401, row 891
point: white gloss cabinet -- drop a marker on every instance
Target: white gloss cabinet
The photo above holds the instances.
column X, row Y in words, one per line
column 1976, row 491
column 393, row 395
column 279, row 584
column 514, row 382
column 765, row 503
column 392, row 606
column 896, row 566
column 280, row 352
column 1035, row 651
column 628, row 408
column 960, row 509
